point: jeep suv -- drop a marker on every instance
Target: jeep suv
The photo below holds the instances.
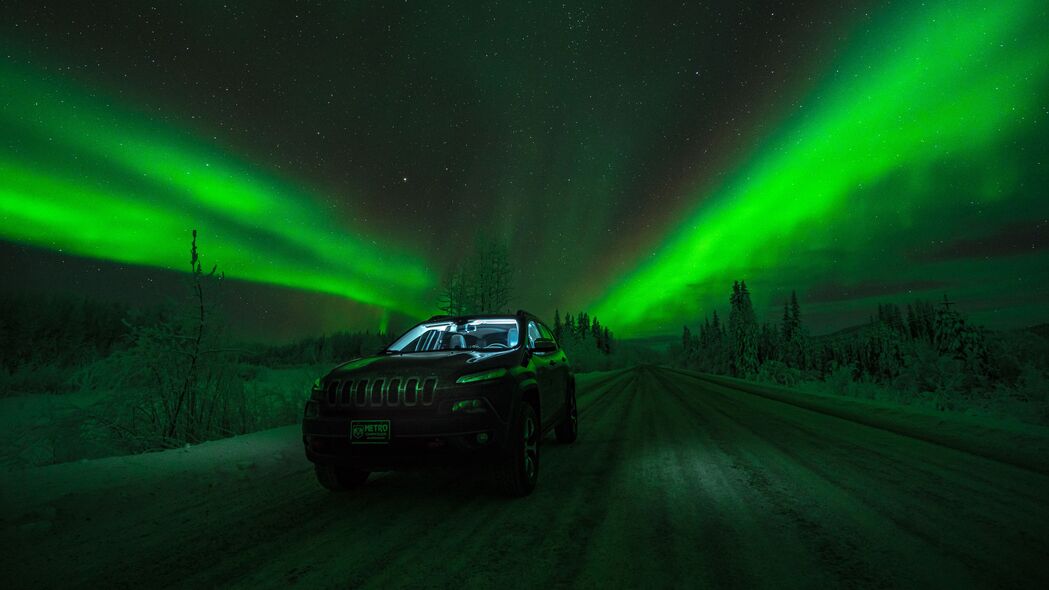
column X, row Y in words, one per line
column 480, row 389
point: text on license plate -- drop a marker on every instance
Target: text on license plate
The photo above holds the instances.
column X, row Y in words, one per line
column 369, row 431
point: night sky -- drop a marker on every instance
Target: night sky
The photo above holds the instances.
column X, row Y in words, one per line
column 636, row 157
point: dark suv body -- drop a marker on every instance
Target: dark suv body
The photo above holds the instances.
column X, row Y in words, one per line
column 478, row 388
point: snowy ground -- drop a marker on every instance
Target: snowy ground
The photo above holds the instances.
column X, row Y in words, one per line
column 675, row 481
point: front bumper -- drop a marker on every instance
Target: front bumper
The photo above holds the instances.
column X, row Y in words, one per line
column 419, row 438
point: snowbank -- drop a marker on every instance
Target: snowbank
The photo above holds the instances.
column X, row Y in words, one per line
column 179, row 470
column 1020, row 444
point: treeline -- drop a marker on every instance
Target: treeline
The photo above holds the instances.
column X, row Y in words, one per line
column 923, row 350
column 482, row 283
column 43, row 338
column 590, row 346
column 579, row 329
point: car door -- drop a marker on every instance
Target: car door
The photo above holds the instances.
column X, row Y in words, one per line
column 558, row 365
column 543, row 374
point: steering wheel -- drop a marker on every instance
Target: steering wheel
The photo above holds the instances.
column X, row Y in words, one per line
column 496, row 345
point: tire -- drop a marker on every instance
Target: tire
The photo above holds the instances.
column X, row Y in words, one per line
column 339, row 479
column 568, row 430
column 518, row 468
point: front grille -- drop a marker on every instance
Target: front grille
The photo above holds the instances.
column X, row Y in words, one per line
column 377, row 392
column 428, row 387
column 361, row 391
column 381, row 392
column 411, row 392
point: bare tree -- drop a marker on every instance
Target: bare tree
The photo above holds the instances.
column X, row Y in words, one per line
column 179, row 375
column 480, row 283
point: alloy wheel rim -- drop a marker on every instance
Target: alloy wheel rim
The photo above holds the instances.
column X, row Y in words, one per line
column 574, row 415
column 530, row 448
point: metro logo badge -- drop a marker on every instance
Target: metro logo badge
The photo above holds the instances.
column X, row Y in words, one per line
column 370, row 431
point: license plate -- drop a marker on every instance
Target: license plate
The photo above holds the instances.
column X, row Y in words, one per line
column 369, row 432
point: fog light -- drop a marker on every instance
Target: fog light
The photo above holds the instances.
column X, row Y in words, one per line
column 482, row 438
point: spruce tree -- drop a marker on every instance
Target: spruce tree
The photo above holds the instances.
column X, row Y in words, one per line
column 786, row 332
column 742, row 331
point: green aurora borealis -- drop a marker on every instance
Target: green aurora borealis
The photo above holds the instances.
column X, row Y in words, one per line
column 141, row 185
column 890, row 156
column 956, row 83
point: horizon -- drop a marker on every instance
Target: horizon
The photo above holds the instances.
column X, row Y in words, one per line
column 270, row 315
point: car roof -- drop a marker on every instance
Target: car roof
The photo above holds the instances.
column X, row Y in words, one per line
column 480, row 316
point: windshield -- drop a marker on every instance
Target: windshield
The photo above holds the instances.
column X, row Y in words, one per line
column 482, row 334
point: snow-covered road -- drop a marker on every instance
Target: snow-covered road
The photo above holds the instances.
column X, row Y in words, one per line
column 674, row 482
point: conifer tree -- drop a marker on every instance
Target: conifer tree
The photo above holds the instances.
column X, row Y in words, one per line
column 795, row 312
column 742, row 331
column 791, row 336
column 786, row 331
column 569, row 327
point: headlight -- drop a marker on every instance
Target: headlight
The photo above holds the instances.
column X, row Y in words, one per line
column 483, row 376
column 312, row 409
column 469, row 406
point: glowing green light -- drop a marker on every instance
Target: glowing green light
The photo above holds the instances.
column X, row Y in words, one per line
column 91, row 179
column 948, row 83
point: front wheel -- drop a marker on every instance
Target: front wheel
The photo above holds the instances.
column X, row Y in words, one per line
column 337, row 478
column 568, row 430
column 518, row 467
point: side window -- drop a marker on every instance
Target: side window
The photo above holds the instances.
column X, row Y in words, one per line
column 545, row 332
column 533, row 334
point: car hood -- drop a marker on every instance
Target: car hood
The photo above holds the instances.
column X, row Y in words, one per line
column 455, row 362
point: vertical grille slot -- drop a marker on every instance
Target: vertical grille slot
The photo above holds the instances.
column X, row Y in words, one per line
column 393, row 392
column 428, row 386
column 332, row 385
column 361, row 392
column 377, row 392
column 344, row 399
column 411, row 392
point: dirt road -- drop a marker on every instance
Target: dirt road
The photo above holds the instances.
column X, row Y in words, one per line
column 674, row 482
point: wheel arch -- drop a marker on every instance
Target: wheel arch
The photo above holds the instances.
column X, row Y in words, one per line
column 530, row 395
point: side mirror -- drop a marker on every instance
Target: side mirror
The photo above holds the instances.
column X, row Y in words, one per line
column 544, row 345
